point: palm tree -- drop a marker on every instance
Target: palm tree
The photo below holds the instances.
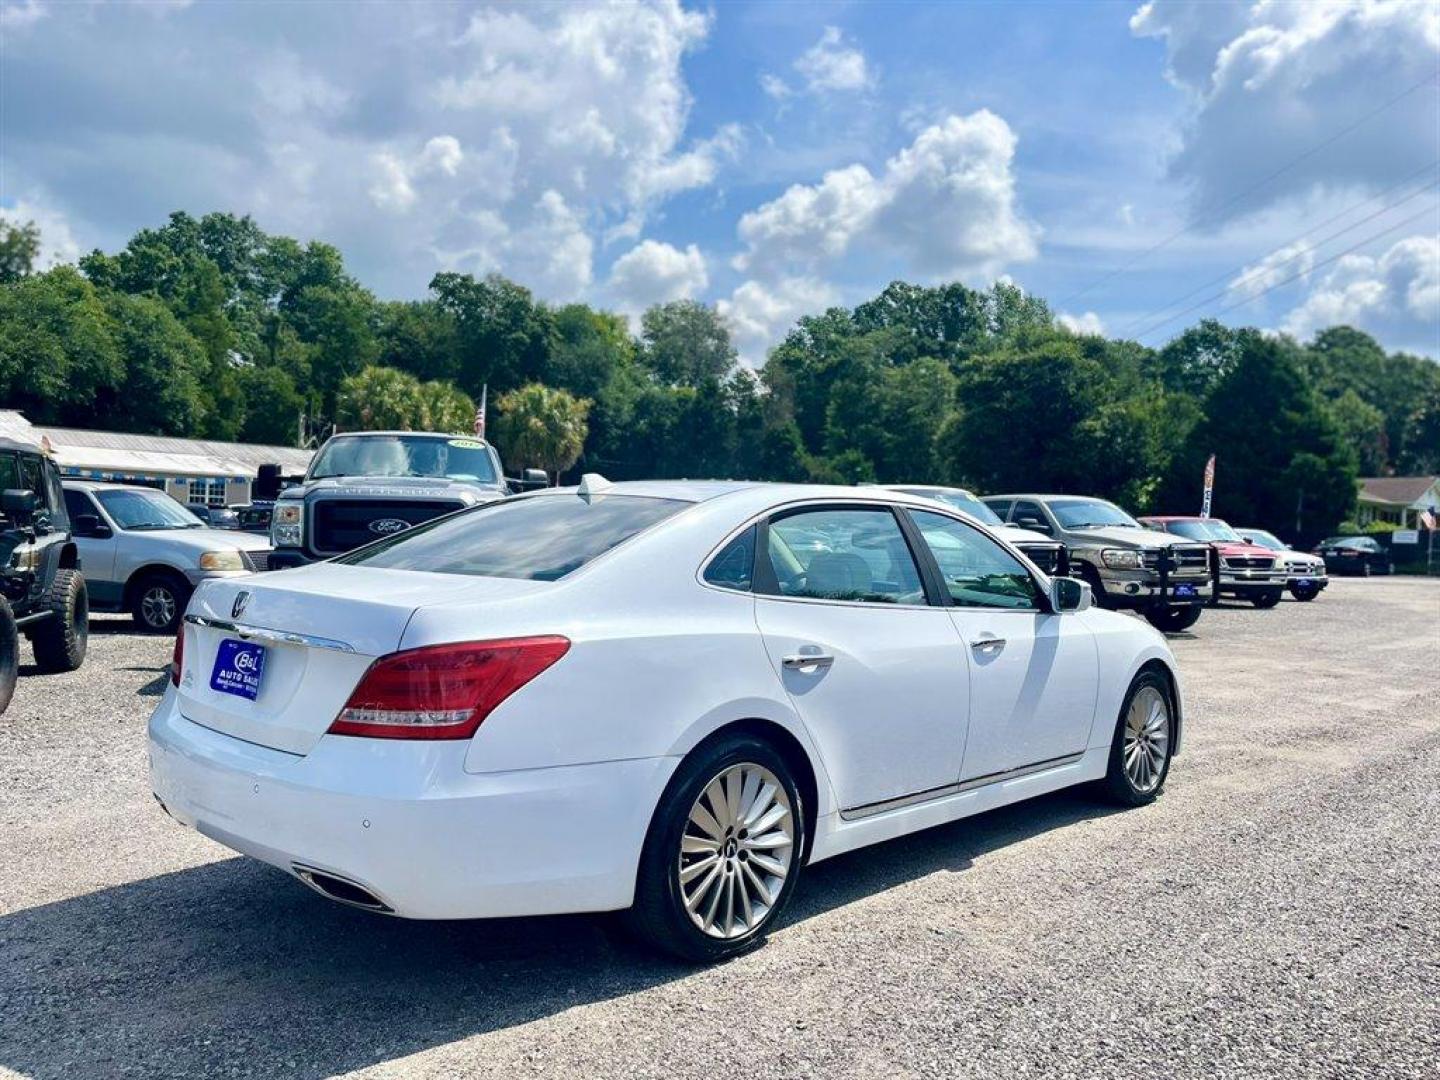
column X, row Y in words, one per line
column 542, row 428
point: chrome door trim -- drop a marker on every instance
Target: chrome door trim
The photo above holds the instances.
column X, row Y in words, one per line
column 857, row 813
column 261, row 633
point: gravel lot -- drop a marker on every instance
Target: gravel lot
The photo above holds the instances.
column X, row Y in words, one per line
column 1276, row 913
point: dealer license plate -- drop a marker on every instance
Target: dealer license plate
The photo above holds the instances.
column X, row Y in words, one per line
column 238, row 668
column 1184, row 590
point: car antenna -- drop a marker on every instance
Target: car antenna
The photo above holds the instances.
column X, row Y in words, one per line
column 592, row 483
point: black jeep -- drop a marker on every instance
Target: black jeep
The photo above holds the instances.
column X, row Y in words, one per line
column 42, row 592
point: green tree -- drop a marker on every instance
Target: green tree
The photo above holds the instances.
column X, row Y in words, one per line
column 542, row 428
column 272, row 406
column 382, row 398
column 164, row 366
column 503, row 336
column 1421, row 438
column 58, row 347
column 1362, row 426
column 589, row 348
column 19, row 248
column 1278, row 447
column 686, row 343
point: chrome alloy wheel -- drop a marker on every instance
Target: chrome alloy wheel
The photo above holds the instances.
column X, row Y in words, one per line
column 157, row 605
column 735, row 851
column 1147, row 739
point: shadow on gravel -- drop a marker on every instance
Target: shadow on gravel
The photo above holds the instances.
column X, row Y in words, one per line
column 234, row 968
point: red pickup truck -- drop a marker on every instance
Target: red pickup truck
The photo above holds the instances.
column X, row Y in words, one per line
column 1242, row 569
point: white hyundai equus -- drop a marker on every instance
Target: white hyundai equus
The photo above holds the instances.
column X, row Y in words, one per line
column 661, row 697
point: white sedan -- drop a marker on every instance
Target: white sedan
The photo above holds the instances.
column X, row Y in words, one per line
column 660, row 697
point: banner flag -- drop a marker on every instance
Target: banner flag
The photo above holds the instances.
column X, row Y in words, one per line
column 1209, row 486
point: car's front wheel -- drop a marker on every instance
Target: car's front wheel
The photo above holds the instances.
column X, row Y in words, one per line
column 722, row 854
column 60, row 641
column 1266, row 599
column 1171, row 620
column 158, row 601
column 9, row 653
column 1144, row 742
column 1304, row 592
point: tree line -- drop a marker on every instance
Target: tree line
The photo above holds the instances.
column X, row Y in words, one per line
column 211, row 327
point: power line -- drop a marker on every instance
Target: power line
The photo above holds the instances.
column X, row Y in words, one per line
column 1421, row 190
column 1248, row 191
column 1286, row 281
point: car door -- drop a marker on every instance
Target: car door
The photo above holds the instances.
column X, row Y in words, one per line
column 874, row 669
column 1034, row 674
column 97, row 552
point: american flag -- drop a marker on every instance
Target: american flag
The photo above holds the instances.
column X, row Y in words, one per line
column 1427, row 519
column 480, row 412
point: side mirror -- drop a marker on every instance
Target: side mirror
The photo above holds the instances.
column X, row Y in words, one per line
column 90, row 526
column 1069, row 594
column 19, row 504
column 1030, row 521
column 536, row 477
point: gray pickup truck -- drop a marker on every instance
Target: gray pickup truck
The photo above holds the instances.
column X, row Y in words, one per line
column 365, row 485
column 1128, row 567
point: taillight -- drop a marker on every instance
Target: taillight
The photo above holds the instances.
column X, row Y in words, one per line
column 177, row 657
column 443, row 691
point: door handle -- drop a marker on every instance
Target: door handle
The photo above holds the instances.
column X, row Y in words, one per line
column 804, row 660
column 988, row 643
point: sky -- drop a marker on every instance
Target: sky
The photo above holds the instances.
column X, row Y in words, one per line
column 1272, row 164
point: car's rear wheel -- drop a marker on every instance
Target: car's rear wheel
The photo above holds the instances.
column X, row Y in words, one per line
column 1266, row 599
column 158, row 601
column 1171, row 620
column 722, row 854
column 60, row 641
column 9, row 654
column 1144, row 742
column 1304, row 593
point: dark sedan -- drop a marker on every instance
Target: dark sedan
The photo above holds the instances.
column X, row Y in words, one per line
column 1360, row 555
column 217, row 517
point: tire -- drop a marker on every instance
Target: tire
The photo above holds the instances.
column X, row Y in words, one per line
column 1304, row 595
column 60, row 640
column 157, row 601
column 1172, row 620
column 1153, row 725
column 1365, row 570
column 687, row 833
column 9, row 654
column 1266, row 600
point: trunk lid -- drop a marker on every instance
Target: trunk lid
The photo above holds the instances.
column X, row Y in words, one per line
column 319, row 628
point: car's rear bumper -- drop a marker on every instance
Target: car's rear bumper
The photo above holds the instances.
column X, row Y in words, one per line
column 405, row 821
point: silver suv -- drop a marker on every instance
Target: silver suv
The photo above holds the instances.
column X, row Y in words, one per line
column 144, row 553
column 1129, row 568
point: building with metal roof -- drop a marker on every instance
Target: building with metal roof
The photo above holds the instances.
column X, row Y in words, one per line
column 191, row 470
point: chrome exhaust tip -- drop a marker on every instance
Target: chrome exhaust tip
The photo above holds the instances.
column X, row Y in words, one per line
column 341, row 890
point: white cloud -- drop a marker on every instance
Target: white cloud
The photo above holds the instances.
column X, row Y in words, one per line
column 1087, row 323
column 442, row 154
column 57, row 243
column 1275, row 269
column 1275, row 88
column 775, row 86
column 760, row 313
column 21, row 14
column 1396, row 294
column 655, row 273
column 554, row 255
column 393, row 188
column 945, row 204
column 831, row 64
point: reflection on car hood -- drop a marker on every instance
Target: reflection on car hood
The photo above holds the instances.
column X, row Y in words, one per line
column 1119, row 534
column 200, row 540
column 396, row 487
column 1017, row 535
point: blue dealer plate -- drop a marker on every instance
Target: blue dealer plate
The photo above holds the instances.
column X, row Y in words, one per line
column 238, row 667
column 1304, row 582
column 1184, row 590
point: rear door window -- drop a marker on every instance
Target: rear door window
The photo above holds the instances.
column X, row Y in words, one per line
column 541, row 538
column 859, row 555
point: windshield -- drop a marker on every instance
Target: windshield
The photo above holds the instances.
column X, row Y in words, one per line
column 404, row 455
column 961, row 500
column 1202, row 530
column 541, row 538
column 1090, row 513
column 1264, row 539
column 146, row 510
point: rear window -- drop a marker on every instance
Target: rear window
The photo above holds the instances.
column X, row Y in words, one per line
column 542, row 538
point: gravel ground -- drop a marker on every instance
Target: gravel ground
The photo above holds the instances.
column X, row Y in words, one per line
column 1276, row 913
